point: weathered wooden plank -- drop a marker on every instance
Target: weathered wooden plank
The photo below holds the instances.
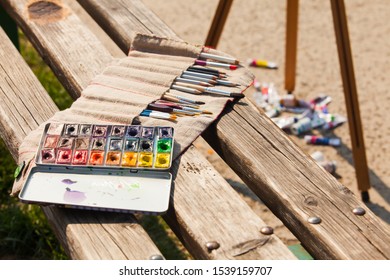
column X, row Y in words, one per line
column 295, row 188
column 100, row 235
column 110, row 45
column 206, row 209
column 24, row 102
column 269, row 184
column 194, row 222
column 39, row 18
column 84, row 234
column 141, row 20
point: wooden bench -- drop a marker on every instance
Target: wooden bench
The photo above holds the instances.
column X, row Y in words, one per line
column 208, row 216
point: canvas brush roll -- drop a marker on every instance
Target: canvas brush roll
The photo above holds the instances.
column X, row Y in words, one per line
column 124, row 89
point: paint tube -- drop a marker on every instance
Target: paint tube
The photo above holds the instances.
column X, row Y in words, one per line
column 259, row 99
column 317, row 121
column 294, row 110
column 315, row 140
column 303, row 104
column 318, row 156
column 273, row 96
column 288, row 101
column 285, row 123
column 273, row 112
column 257, row 85
column 337, row 120
column 321, row 99
column 303, row 125
column 329, row 166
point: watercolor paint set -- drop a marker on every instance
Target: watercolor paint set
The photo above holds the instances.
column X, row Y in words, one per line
column 131, row 146
column 104, row 167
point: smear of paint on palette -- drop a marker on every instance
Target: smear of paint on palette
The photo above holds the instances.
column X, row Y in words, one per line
column 68, row 181
column 74, row 196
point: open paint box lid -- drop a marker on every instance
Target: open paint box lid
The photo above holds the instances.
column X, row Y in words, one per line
column 130, row 173
column 99, row 189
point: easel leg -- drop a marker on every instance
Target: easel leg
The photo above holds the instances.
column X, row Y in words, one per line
column 291, row 44
column 351, row 97
column 218, row 23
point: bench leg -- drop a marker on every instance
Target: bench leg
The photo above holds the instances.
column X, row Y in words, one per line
column 351, row 97
column 218, row 23
column 291, row 45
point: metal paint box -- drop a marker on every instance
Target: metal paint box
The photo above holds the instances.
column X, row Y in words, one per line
column 102, row 167
column 119, row 146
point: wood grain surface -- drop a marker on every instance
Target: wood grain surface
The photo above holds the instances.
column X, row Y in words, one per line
column 292, row 185
column 296, row 188
column 196, row 223
column 130, row 17
column 84, row 234
column 22, row 97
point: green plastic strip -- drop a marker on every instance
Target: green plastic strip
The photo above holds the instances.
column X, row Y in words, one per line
column 300, row 252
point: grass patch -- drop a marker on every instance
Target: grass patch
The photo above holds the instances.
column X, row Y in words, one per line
column 24, row 231
column 164, row 238
column 44, row 74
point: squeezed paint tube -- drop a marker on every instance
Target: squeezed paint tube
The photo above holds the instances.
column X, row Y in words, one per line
column 327, row 117
column 294, row 110
column 273, row 112
column 301, row 126
column 325, row 101
column 288, row 101
column 259, row 99
column 312, row 139
column 307, row 113
column 329, row 166
column 273, row 96
column 285, row 123
column 317, row 121
column 321, row 108
column 321, row 99
column 337, row 120
column 318, row 156
column 257, row 85
column 304, row 104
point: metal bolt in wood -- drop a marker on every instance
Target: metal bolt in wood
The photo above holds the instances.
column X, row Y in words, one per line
column 267, row 230
column 314, row 220
column 156, row 257
column 359, row 211
column 212, row 245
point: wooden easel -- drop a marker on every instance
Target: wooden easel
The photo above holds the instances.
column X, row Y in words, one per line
column 346, row 66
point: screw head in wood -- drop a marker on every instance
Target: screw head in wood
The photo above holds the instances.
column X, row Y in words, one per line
column 156, row 257
column 314, row 220
column 267, row 230
column 359, row 211
column 212, row 245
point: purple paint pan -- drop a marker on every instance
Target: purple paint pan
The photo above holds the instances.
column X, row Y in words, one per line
column 147, row 132
column 133, row 131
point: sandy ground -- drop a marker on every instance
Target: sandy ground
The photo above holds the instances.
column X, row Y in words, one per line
column 256, row 29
